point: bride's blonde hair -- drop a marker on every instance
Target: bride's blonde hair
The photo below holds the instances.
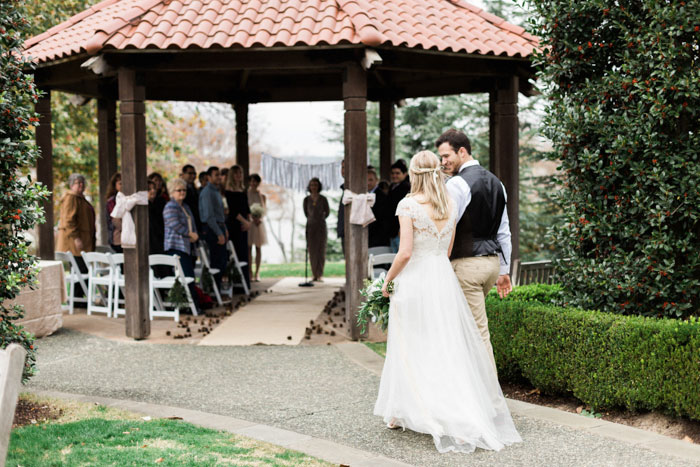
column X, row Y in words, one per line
column 427, row 179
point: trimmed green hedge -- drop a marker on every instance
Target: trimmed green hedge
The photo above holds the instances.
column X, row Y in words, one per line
column 603, row 359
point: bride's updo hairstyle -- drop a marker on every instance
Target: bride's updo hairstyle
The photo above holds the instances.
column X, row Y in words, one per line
column 427, row 178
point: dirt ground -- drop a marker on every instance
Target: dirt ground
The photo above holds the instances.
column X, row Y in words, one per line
column 30, row 413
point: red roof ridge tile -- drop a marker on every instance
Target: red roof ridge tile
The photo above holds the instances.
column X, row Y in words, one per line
column 67, row 23
column 96, row 42
column 366, row 30
column 495, row 20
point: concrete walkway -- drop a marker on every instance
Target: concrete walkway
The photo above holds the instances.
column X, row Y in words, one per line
column 321, row 394
column 276, row 317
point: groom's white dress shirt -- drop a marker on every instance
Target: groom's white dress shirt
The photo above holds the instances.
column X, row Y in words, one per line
column 460, row 192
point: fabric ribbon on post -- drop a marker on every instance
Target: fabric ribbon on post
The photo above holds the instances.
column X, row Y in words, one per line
column 361, row 212
column 122, row 210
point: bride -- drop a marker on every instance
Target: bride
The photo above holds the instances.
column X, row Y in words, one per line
column 438, row 378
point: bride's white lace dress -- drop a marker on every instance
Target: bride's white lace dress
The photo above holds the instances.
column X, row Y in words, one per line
column 437, row 377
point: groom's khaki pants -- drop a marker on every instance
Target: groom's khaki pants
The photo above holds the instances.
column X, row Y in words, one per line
column 477, row 275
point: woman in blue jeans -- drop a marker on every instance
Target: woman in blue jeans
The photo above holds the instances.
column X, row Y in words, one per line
column 180, row 230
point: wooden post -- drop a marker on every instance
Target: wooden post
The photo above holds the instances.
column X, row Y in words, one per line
column 242, row 150
column 504, row 150
column 355, row 100
column 107, row 154
column 133, row 142
column 44, row 174
column 386, row 139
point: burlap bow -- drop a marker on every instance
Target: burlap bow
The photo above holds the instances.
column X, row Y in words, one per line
column 122, row 210
column 361, row 212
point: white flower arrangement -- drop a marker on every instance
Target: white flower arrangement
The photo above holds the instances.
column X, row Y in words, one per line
column 257, row 210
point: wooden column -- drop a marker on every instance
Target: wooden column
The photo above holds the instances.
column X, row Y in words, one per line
column 44, row 174
column 242, row 150
column 107, row 154
column 504, row 149
column 133, row 152
column 355, row 100
column 386, row 138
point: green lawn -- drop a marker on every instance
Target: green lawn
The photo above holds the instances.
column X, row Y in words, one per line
column 332, row 269
column 103, row 436
column 379, row 347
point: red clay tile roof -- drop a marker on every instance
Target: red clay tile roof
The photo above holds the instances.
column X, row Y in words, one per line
column 444, row 25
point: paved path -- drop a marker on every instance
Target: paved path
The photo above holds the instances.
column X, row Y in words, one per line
column 273, row 318
column 319, row 391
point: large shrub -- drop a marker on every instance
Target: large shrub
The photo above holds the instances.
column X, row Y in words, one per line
column 623, row 79
column 603, row 359
column 19, row 197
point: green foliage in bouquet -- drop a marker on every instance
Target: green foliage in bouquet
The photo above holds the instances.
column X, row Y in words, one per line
column 623, row 80
column 375, row 308
column 19, row 195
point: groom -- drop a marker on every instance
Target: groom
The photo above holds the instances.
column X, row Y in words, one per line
column 482, row 247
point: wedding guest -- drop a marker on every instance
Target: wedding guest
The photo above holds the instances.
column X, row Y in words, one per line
column 340, row 227
column 114, row 225
column 180, row 231
column 76, row 227
column 376, row 231
column 214, row 232
column 257, row 236
column 189, row 174
column 161, row 189
column 238, row 218
column 156, row 228
column 384, row 187
column 316, row 210
column 203, row 178
column 400, row 187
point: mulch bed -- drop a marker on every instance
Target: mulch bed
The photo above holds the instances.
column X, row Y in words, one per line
column 31, row 413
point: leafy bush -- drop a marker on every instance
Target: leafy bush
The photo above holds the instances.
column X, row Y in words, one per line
column 603, row 359
column 19, row 197
column 543, row 293
column 624, row 86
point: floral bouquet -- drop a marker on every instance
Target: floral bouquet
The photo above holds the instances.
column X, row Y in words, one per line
column 257, row 210
column 376, row 306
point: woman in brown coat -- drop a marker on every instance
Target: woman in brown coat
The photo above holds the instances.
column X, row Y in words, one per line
column 76, row 227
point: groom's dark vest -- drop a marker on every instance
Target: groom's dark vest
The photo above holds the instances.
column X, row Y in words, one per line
column 477, row 230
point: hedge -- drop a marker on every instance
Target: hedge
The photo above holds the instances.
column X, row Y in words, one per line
column 605, row 360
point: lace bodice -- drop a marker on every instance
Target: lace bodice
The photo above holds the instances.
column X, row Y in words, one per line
column 427, row 240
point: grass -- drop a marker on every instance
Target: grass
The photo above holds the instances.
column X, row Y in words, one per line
column 331, row 269
column 96, row 435
column 379, row 347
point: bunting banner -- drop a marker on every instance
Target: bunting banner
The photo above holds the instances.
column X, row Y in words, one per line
column 296, row 175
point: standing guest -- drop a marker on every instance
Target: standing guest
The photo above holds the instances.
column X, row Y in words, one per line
column 203, row 178
column 161, row 189
column 214, row 232
column 316, row 210
column 156, row 228
column 257, row 236
column 189, row 174
column 400, row 186
column 76, row 227
column 114, row 225
column 376, row 231
column 238, row 218
column 340, row 227
column 384, row 187
column 180, row 230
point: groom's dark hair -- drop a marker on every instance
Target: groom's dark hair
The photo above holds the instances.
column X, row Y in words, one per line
column 456, row 138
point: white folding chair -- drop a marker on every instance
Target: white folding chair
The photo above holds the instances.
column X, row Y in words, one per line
column 158, row 306
column 381, row 259
column 99, row 276
column 204, row 258
column 104, row 249
column 239, row 267
column 73, row 276
column 117, row 261
column 379, row 250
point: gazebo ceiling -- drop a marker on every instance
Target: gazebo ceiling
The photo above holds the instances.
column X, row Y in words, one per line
column 219, row 50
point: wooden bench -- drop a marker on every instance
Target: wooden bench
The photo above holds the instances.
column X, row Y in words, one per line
column 11, row 367
column 534, row 272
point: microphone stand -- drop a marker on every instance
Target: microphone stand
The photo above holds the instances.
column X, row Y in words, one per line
column 307, row 282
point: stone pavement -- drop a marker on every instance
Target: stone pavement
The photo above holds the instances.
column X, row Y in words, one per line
column 323, row 393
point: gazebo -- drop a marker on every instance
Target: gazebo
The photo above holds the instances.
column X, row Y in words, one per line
column 243, row 52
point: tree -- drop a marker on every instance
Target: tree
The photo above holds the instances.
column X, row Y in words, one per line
column 19, row 196
column 623, row 79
